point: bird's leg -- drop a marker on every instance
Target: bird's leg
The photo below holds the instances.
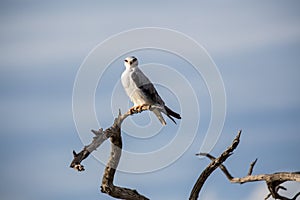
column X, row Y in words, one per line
column 139, row 108
column 143, row 107
column 132, row 110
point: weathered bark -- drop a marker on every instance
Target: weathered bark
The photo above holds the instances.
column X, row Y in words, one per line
column 273, row 181
column 114, row 133
column 212, row 166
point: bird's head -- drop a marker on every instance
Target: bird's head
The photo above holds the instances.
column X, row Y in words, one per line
column 131, row 62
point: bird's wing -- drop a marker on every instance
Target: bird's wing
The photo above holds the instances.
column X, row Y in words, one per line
column 125, row 79
column 147, row 88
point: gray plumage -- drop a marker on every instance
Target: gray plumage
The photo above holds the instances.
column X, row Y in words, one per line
column 141, row 91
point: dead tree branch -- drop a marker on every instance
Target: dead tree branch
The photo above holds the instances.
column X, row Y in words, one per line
column 212, row 166
column 273, row 181
column 114, row 133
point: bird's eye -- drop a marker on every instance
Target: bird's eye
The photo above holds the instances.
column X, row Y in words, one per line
column 126, row 60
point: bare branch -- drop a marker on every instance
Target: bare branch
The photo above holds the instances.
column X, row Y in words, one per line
column 222, row 167
column 282, row 177
column 212, row 166
column 251, row 167
column 114, row 133
column 101, row 136
column 273, row 181
column 109, row 173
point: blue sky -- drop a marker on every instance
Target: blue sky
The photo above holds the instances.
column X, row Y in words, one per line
column 255, row 45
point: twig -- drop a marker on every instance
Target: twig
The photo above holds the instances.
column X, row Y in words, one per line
column 251, row 167
column 222, row 167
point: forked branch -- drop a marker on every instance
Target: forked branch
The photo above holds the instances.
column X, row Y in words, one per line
column 273, row 181
column 212, row 166
column 114, row 133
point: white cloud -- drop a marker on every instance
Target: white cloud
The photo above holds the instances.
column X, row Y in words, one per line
column 261, row 191
column 37, row 37
column 292, row 189
column 209, row 195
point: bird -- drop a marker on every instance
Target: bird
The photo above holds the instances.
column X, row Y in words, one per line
column 142, row 92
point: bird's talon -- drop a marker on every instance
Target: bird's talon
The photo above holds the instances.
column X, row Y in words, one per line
column 135, row 109
column 139, row 108
column 132, row 110
column 146, row 107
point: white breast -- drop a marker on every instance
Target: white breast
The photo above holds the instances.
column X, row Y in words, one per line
column 132, row 91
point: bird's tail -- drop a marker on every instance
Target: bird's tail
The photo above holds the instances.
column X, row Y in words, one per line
column 159, row 116
column 170, row 113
